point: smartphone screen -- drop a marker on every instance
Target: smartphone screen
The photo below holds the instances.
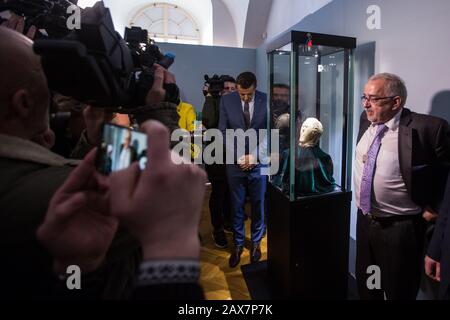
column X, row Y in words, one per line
column 120, row 147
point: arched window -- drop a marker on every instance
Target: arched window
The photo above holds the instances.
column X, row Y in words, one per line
column 167, row 23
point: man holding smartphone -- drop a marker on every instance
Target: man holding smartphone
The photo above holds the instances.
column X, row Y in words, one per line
column 31, row 174
column 166, row 229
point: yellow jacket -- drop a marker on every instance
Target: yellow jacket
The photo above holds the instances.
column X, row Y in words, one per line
column 187, row 116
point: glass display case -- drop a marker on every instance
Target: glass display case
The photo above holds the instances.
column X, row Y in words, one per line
column 310, row 79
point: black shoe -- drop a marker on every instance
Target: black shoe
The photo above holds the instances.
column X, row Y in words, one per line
column 255, row 252
column 235, row 257
column 220, row 240
column 228, row 229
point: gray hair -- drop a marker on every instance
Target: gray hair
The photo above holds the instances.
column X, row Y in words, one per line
column 395, row 86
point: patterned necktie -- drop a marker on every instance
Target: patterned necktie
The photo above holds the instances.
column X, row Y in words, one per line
column 369, row 170
column 247, row 115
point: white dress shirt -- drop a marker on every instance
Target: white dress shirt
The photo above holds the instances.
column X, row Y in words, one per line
column 389, row 196
column 124, row 159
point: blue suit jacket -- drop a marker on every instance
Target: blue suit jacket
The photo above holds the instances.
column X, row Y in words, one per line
column 232, row 116
column 439, row 247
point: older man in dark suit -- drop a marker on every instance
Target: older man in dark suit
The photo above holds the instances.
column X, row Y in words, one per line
column 437, row 261
column 398, row 156
column 246, row 110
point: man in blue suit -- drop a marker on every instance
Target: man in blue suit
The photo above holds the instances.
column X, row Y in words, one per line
column 245, row 109
column 437, row 261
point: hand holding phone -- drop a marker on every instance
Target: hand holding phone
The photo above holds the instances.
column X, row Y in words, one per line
column 161, row 205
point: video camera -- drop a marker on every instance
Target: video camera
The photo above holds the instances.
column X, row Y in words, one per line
column 94, row 64
column 44, row 14
column 216, row 84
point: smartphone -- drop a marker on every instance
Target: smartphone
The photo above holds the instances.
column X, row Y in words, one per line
column 119, row 148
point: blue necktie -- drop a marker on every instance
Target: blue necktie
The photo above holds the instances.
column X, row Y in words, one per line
column 369, row 170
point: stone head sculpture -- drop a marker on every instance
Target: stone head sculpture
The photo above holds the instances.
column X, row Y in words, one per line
column 310, row 132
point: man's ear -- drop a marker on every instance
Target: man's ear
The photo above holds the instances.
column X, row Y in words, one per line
column 21, row 103
column 398, row 103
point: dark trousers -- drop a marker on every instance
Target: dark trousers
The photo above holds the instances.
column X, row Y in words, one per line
column 396, row 247
column 219, row 200
column 255, row 183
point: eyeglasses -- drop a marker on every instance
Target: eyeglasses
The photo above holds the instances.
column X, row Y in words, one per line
column 374, row 99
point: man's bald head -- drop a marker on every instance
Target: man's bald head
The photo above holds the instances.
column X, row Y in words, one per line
column 20, row 66
column 23, row 87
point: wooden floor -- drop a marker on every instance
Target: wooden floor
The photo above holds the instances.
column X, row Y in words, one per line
column 218, row 280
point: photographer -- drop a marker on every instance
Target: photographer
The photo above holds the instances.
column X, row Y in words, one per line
column 166, row 229
column 214, row 88
column 219, row 201
column 31, row 174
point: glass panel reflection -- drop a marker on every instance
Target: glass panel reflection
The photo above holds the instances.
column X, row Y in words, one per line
column 316, row 132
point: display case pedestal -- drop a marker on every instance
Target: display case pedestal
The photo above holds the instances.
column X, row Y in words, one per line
column 308, row 245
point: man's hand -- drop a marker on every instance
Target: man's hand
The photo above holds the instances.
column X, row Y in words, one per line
column 94, row 118
column 161, row 205
column 429, row 215
column 17, row 23
column 66, row 104
column 433, row 268
column 247, row 162
column 157, row 93
column 78, row 229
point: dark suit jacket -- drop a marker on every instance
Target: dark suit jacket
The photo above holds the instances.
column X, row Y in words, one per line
column 232, row 115
column 439, row 247
column 424, row 155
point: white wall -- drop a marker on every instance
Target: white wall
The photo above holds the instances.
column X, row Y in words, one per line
column 224, row 31
column 221, row 22
column 86, row 3
column 122, row 12
column 286, row 13
column 256, row 23
column 238, row 10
